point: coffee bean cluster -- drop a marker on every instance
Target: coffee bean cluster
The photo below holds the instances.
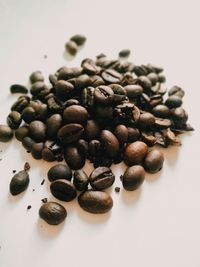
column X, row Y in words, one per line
column 105, row 111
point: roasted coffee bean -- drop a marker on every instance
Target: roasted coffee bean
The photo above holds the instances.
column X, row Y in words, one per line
column 52, row 151
column 14, row 119
column 88, row 97
column 53, row 124
column 155, row 68
column 89, row 67
column 146, row 120
column 71, row 102
column 119, row 93
column 135, row 153
column 83, row 147
column 75, row 114
column 121, row 132
column 96, row 80
column 101, row 178
column 153, row 77
column 162, row 123
column 95, row 202
column 140, row 70
column 36, row 150
column 37, row 130
column 81, row 180
column 94, row 148
column 133, row 90
column 92, row 130
column 111, row 76
column 73, row 158
column 67, row 73
column 148, row 138
column 19, row 183
column 63, row 190
column 145, row 82
column 18, row 89
column 161, row 111
column 20, row 104
column 133, row 177
column 104, row 112
column 79, row 39
column 35, row 111
column 173, row 101
column 82, row 82
column 36, row 76
column 48, row 155
column 54, row 106
column 154, row 161
column 59, row 171
column 128, row 113
column 179, row 116
column 103, row 94
column 161, row 78
column 71, row 47
column 28, row 143
column 102, row 161
column 64, row 90
column 6, row 133
column 52, row 79
column 176, row 90
column 70, row 133
column 100, row 55
column 124, row 53
column 37, row 87
column 22, row 132
column 133, row 134
column 53, row 213
column 110, row 143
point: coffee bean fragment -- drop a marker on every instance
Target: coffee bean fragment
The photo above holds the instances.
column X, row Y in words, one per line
column 53, row 213
column 19, row 183
column 154, row 161
column 27, row 166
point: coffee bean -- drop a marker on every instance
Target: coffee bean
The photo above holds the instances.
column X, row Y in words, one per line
column 6, row 133
column 36, row 76
column 96, row 80
column 70, row 132
column 83, row 147
column 133, row 90
column 173, row 101
column 161, row 111
column 52, row 151
column 63, row 89
column 153, row 77
column 63, row 190
column 110, row 143
column 148, row 138
column 144, row 82
column 52, row 79
column 111, row 76
column 96, row 202
column 176, row 90
column 71, row 47
column 101, row 178
column 87, row 97
column 76, row 114
column 28, row 143
column 22, row 132
column 36, row 150
column 162, row 123
column 119, row 93
column 94, row 148
column 52, row 213
column 79, row 39
column 92, row 130
column 14, row 119
column 81, row 180
column 89, row 67
column 103, row 94
column 156, row 69
column 20, row 104
column 146, row 120
column 19, row 183
column 154, row 161
column 59, row 171
column 37, row 87
column 67, row 73
column 161, row 78
column 82, row 82
column 18, row 88
column 133, row 177
column 179, row 116
column 53, row 124
column 37, row 130
column 135, row 153
column 133, row 134
column 71, row 102
column 121, row 132
column 124, row 53
column 73, row 158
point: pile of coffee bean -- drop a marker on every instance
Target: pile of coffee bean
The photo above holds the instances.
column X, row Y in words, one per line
column 105, row 111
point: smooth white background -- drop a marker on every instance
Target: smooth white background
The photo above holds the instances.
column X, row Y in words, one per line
column 156, row 226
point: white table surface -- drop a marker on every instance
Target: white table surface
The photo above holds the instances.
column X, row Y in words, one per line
column 157, row 226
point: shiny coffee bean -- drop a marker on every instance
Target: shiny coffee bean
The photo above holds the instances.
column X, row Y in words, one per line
column 81, row 180
column 36, row 150
column 6, row 133
column 14, row 119
column 133, row 134
column 94, row 149
column 145, row 82
column 71, row 102
column 37, row 130
column 101, row 178
column 73, row 158
column 70, row 133
column 52, row 151
column 111, row 76
column 103, row 94
column 92, row 130
column 148, row 138
column 176, row 90
column 119, row 93
column 63, row 90
column 79, row 39
column 37, row 87
column 87, row 97
column 83, row 147
column 110, row 143
column 133, row 90
column 96, row 80
column 121, row 132
column 179, row 117
column 154, row 161
column 89, row 67
column 81, row 82
column 146, row 120
column 18, row 88
column 19, row 183
column 63, row 190
column 71, row 47
column 161, row 111
column 173, row 101
column 59, row 171
column 28, row 143
column 67, row 73
column 96, row 202
column 53, row 213
column 22, row 132
column 53, row 124
column 135, row 153
column 36, row 76
column 75, row 114
column 153, row 77
column 124, row 53
column 133, row 177
column 20, row 104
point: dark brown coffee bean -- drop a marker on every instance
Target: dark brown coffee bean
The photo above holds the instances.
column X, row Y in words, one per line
column 14, row 119
column 95, row 202
column 146, row 120
column 104, row 112
column 153, row 77
column 133, row 90
column 36, row 150
column 124, row 53
column 161, row 111
column 63, row 190
column 20, row 104
column 76, row 114
column 82, row 82
column 135, row 153
column 161, row 78
column 37, row 130
column 133, row 134
column 59, row 171
column 156, row 69
column 89, row 67
column 53, row 213
column 148, row 138
column 133, row 177
column 71, row 47
column 36, row 76
column 144, row 82
column 53, row 124
column 110, row 143
column 63, row 90
column 52, row 79
column 119, row 93
column 70, row 133
column 28, row 143
column 79, row 39
column 111, row 76
column 96, row 80
column 19, row 183
column 121, row 132
column 71, row 102
column 52, row 151
column 48, row 155
column 154, row 161
column 94, row 149
column 101, row 178
column 22, row 132
column 83, row 147
column 18, row 89
column 176, row 90
column 73, row 158
column 87, row 97
column 37, row 87
column 92, row 130
column 67, row 73
column 179, row 117
column 162, row 123
column 103, row 94
column 81, row 180
column 173, row 101
column 6, row 133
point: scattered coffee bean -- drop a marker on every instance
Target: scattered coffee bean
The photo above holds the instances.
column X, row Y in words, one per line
column 53, row 213
column 6, row 133
column 81, row 180
column 36, row 76
column 135, row 153
column 63, row 190
column 133, row 177
column 74, row 158
column 124, row 53
column 71, row 47
column 19, row 183
column 18, row 89
column 79, row 39
column 101, row 178
column 154, row 161
column 59, row 171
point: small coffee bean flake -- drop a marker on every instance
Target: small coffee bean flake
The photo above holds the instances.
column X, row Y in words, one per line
column 43, row 181
column 117, row 189
column 14, row 171
column 29, row 207
column 27, row 166
column 44, row 200
column 33, row 189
